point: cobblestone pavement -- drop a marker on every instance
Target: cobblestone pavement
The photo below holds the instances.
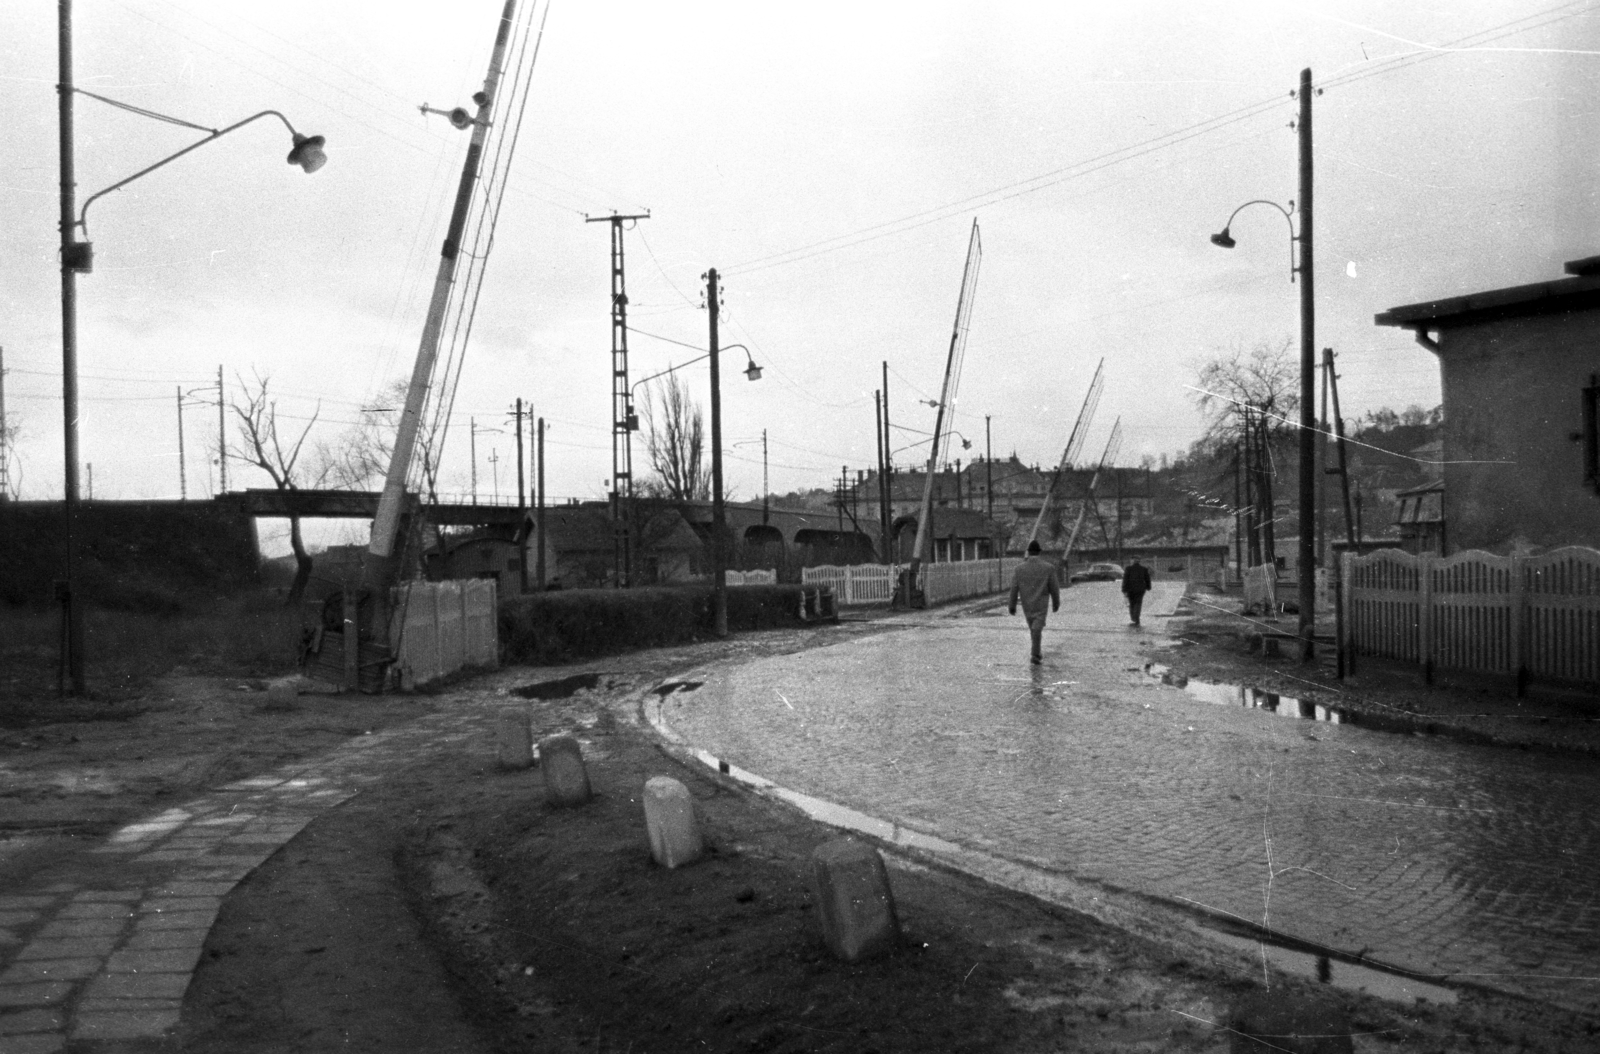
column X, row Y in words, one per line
column 1475, row 864
column 102, row 948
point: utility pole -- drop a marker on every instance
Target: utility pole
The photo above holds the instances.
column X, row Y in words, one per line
column 766, row 488
column 1308, row 367
column 522, row 501
column 494, row 469
column 90, row 467
column 472, row 453
column 1350, row 530
column 883, row 519
column 222, row 436
column 893, row 554
column 71, row 669
column 522, row 497
column 1322, row 474
column 621, row 406
column 378, row 568
column 540, row 471
column 5, row 435
column 183, row 475
column 719, row 560
column 988, row 465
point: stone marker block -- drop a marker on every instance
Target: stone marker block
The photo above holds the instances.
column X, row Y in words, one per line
column 669, row 818
column 282, row 694
column 514, row 740
column 1278, row 1022
column 565, row 780
column 854, row 902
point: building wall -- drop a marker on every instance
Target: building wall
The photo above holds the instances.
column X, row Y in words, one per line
column 1513, row 476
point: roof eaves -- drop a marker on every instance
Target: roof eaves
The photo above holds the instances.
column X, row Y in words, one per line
column 1562, row 294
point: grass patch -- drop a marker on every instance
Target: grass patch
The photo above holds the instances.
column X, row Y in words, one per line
column 246, row 635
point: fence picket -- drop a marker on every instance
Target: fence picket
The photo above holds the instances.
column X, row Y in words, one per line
column 1478, row 611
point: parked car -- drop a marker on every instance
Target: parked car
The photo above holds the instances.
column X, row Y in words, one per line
column 1098, row 573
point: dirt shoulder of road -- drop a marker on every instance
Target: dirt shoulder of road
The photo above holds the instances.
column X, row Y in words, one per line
column 1212, row 641
column 449, row 908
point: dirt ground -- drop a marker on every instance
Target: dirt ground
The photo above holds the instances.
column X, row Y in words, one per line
column 448, row 908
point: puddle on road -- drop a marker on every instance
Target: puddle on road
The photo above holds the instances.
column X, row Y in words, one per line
column 1289, row 960
column 830, row 813
column 1242, row 695
column 666, row 689
column 1347, row 975
column 561, row 688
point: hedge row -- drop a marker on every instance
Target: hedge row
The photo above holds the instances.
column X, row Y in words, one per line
column 567, row 625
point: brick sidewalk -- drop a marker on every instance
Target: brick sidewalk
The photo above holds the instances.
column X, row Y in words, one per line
column 102, row 948
column 1469, row 863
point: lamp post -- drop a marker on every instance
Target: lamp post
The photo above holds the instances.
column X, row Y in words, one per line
column 719, row 563
column 1307, row 448
column 78, row 257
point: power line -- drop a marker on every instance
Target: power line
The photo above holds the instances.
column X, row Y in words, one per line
column 1167, row 140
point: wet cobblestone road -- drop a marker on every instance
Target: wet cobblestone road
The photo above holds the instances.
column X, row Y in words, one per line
column 1476, row 864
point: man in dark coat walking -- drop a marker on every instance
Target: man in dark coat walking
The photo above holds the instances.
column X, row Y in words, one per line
column 1135, row 584
column 1035, row 580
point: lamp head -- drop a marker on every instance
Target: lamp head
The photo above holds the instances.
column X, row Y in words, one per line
column 1223, row 239
column 753, row 371
column 308, row 153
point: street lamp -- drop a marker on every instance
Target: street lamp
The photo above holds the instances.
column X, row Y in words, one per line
column 719, row 554
column 751, row 371
column 1308, row 495
column 78, row 257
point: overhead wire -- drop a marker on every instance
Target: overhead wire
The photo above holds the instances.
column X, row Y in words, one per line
column 1077, row 170
column 488, row 216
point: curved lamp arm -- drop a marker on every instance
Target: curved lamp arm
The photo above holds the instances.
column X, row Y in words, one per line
column 1224, row 240
column 751, row 370
column 307, row 153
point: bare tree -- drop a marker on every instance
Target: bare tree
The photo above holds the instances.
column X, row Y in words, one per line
column 359, row 458
column 675, row 442
column 1236, row 384
column 264, row 448
column 1251, row 398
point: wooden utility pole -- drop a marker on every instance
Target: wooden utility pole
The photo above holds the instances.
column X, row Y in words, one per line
column 73, row 259
column 539, row 468
column 5, row 435
column 891, row 550
column 1308, row 369
column 883, row 519
column 522, row 493
column 1351, row 533
column 222, row 436
column 988, row 467
column 719, row 557
column 183, row 475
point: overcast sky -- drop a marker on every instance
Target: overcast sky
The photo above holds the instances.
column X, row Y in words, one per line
column 828, row 159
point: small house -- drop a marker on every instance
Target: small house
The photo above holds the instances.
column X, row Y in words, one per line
column 1519, row 370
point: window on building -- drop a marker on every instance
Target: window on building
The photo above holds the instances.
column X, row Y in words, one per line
column 1591, row 432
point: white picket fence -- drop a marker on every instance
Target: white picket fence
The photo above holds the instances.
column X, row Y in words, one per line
column 442, row 627
column 857, row 584
column 752, row 578
column 940, row 583
column 1537, row 616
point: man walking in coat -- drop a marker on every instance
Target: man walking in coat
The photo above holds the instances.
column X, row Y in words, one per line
column 1135, row 584
column 1035, row 579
